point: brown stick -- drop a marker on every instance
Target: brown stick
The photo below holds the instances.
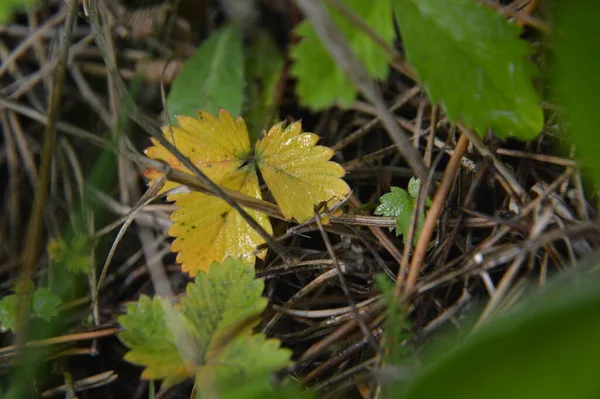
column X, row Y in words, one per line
column 434, row 213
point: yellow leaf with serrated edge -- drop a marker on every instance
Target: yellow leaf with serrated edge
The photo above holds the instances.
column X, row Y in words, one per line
column 298, row 173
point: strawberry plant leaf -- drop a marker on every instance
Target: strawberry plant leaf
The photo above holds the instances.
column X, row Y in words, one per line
column 394, row 203
column 321, row 82
column 414, row 185
column 222, row 298
column 212, row 78
column 206, row 227
column 151, row 340
column 246, row 357
column 214, row 319
column 399, row 203
column 295, row 169
column 298, row 172
column 45, row 304
column 471, row 61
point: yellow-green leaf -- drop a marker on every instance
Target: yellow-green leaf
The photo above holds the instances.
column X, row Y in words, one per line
column 299, row 173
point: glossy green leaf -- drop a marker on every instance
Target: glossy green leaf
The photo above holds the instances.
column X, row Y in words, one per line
column 212, row 78
column 399, row 203
column 264, row 65
column 471, row 61
column 545, row 348
column 320, row 82
column 45, row 304
column 577, row 39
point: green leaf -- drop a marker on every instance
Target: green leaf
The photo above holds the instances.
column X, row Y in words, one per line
column 262, row 387
column 471, row 60
column 321, row 82
column 393, row 203
column 414, row 185
column 151, row 340
column 74, row 254
column 212, row 78
column 221, row 300
column 246, row 357
column 263, row 74
column 45, row 304
column 211, row 328
column 545, row 348
column 7, row 7
column 8, row 313
column 576, row 74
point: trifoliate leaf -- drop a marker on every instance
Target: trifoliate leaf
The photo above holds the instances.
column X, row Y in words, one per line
column 393, row 203
column 206, row 227
column 400, row 204
column 8, row 313
column 212, row 78
column 244, row 358
column 298, row 173
column 321, row 82
column 212, row 320
column 74, row 254
column 471, row 61
column 263, row 74
column 45, row 304
column 152, row 340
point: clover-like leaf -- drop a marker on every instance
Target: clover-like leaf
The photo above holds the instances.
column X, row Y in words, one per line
column 208, row 334
column 321, row 82
column 400, row 204
column 298, row 173
column 471, row 60
column 206, row 227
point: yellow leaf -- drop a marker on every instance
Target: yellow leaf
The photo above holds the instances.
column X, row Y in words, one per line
column 298, row 173
column 208, row 229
